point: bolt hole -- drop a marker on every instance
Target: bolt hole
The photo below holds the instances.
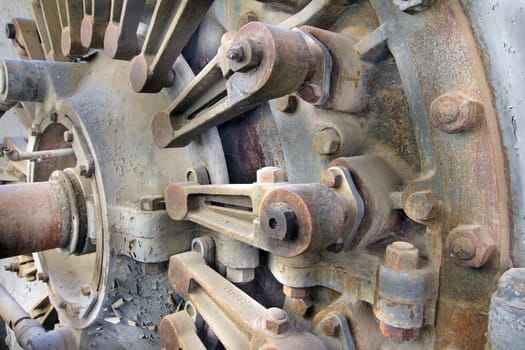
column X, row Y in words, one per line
column 272, row 223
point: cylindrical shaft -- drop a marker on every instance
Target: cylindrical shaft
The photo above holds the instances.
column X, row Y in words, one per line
column 10, row 311
column 32, row 218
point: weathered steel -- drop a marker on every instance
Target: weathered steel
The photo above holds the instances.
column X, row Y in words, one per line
column 120, row 38
column 152, row 69
column 32, row 218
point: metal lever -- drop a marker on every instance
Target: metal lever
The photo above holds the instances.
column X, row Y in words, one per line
column 94, row 23
column 284, row 219
column 120, row 39
column 171, row 27
column 254, row 60
column 238, row 320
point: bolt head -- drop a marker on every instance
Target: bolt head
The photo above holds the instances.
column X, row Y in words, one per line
column 331, row 326
column 240, row 275
column 470, row 245
column 331, row 178
column 286, row 104
column 270, row 175
column 399, row 334
column 302, row 306
column 454, row 112
column 422, row 206
column 297, row 293
column 401, row 256
column 311, row 93
column 235, row 53
column 276, row 320
column 326, row 141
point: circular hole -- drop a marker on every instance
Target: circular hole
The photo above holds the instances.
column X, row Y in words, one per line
column 272, row 223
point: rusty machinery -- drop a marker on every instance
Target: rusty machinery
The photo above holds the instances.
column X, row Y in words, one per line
column 319, row 174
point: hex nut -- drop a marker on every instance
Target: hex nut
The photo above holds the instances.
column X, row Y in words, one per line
column 302, row 306
column 326, row 141
column 401, row 256
column 331, row 326
column 331, row 178
column 470, row 245
column 244, row 55
column 236, row 275
column 286, row 104
column 298, row 293
column 395, row 333
column 421, row 206
column 270, row 175
column 310, row 93
column 276, row 320
column 454, row 112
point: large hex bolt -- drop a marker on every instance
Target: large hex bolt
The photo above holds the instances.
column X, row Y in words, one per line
column 276, row 320
column 301, row 302
column 326, row 141
column 331, row 326
column 507, row 312
column 470, row 245
column 421, row 206
column 454, row 112
column 400, row 256
column 270, row 175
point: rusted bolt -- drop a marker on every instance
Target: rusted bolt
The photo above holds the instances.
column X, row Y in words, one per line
column 310, row 93
column 279, row 222
column 422, row 206
column 331, row 326
column 298, row 293
column 85, row 290
column 62, row 304
column 270, row 175
column 10, row 31
column 237, row 275
column 235, row 53
column 326, row 141
column 399, row 334
column 68, row 136
column 244, row 55
column 401, row 256
column 72, row 309
column 276, row 320
column 454, row 112
column 302, row 306
column 286, row 104
column 470, row 245
column 331, row 178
